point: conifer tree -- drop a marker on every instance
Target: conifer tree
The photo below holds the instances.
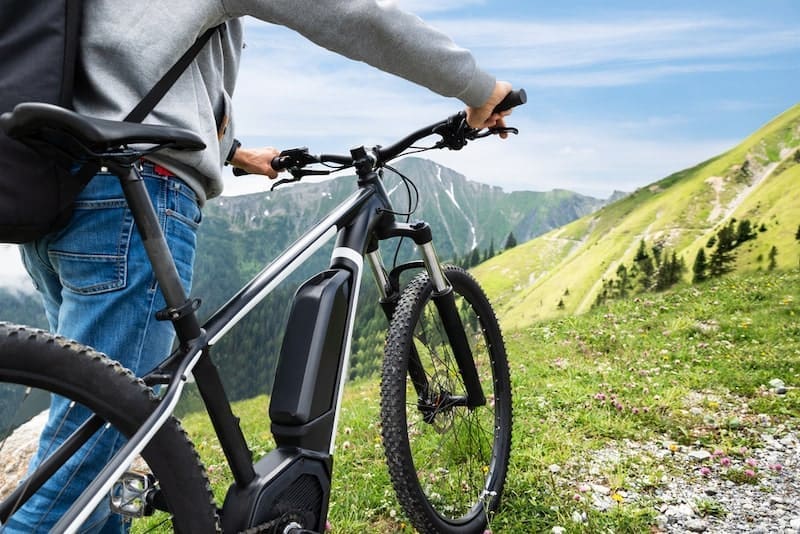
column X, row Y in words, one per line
column 744, row 232
column 622, row 281
column 475, row 258
column 645, row 266
column 723, row 256
column 700, row 266
column 773, row 254
column 511, row 241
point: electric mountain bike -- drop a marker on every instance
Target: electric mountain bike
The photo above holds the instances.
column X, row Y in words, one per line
column 445, row 389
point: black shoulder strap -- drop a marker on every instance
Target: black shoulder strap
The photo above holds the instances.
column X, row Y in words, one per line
column 158, row 91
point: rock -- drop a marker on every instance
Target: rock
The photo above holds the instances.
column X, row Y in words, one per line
column 778, row 386
column 679, row 511
column 601, row 502
column 700, row 455
column 579, row 517
column 601, row 490
column 558, row 530
column 795, row 523
column 696, row 525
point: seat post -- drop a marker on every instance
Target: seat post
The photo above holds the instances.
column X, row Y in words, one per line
column 179, row 309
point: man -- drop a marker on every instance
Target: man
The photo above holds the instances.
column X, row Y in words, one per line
column 94, row 277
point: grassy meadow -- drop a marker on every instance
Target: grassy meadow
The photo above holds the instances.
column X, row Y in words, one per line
column 605, row 399
column 609, row 401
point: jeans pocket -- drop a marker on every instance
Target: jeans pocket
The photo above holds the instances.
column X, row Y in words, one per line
column 183, row 217
column 91, row 256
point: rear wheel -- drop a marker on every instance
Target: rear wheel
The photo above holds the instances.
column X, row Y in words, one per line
column 34, row 363
column 447, row 462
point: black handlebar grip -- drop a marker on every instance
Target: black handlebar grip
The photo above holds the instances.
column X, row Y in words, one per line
column 280, row 163
column 512, row 100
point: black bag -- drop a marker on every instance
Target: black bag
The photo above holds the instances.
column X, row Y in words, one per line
column 38, row 63
column 38, row 54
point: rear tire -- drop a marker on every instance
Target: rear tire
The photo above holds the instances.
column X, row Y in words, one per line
column 35, row 359
column 447, row 463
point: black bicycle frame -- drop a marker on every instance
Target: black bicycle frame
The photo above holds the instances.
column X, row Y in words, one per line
column 313, row 363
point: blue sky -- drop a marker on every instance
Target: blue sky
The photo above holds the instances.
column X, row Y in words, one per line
column 620, row 93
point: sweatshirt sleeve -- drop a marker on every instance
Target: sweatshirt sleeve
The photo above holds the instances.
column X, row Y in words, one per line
column 381, row 35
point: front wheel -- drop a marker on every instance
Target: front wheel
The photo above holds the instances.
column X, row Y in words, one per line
column 448, row 462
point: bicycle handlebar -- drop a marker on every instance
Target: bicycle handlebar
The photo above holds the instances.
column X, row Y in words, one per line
column 512, row 100
column 454, row 130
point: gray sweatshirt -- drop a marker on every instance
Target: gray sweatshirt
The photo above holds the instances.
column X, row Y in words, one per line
column 128, row 46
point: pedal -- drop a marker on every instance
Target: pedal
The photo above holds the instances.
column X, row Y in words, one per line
column 133, row 493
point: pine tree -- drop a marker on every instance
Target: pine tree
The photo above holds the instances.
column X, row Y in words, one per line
column 623, row 281
column 641, row 253
column 723, row 256
column 744, row 232
column 669, row 272
column 700, row 266
column 475, row 257
column 511, row 241
column 645, row 266
column 773, row 253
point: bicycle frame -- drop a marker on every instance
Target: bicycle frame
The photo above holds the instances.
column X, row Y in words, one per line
column 313, row 363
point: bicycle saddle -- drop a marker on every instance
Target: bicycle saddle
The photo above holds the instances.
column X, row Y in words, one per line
column 34, row 120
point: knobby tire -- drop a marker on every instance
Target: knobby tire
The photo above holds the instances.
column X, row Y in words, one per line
column 37, row 359
column 449, row 468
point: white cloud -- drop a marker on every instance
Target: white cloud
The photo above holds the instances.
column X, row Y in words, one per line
column 622, row 51
column 565, row 156
column 311, row 96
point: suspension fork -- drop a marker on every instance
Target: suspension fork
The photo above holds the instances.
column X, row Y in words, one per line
column 443, row 298
column 389, row 291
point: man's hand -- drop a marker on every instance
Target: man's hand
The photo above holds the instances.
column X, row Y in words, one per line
column 256, row 160
column 483, row 117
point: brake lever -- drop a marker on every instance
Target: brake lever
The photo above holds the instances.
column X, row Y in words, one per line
column 283, row 181
column 495, row 130
column 297, row 174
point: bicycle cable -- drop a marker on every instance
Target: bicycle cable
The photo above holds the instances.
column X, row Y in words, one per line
column 413, row 204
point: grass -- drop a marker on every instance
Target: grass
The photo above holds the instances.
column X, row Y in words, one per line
column 606, row 404
column 680, row 212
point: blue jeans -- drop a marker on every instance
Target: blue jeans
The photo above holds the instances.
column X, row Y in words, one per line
column 98, row 288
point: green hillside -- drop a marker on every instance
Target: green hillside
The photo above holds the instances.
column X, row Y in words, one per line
column 609, row 408
column 563, row 271
column 616, row 407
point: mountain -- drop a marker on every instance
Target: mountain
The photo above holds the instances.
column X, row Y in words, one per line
column 464, row 214
column 240, row 235
column 567, row 269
